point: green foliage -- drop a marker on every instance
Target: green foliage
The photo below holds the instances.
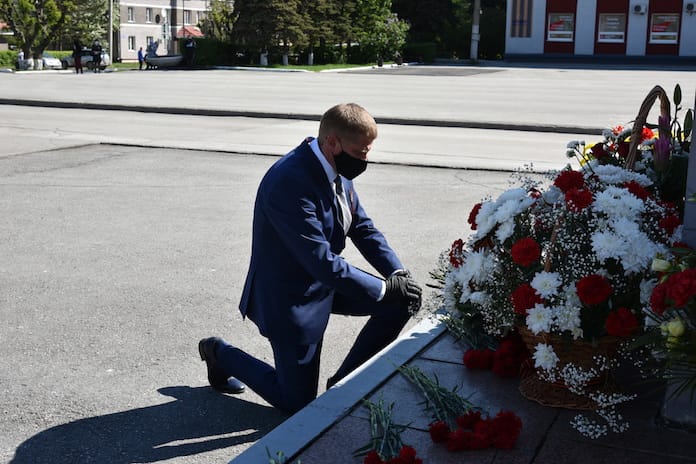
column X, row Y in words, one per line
column 8, row 59
column 219, row 21
column 423, row 52
column 35, row 23
column 211, row 52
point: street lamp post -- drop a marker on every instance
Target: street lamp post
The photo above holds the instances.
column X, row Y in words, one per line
column 111, row 31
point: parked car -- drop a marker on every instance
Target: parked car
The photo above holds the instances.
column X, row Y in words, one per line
column 86, row 54
column 50, row 61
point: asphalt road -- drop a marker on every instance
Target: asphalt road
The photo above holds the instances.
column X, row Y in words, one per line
column 120, row 250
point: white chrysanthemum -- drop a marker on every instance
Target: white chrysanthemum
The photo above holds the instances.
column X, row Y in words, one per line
column 485, row 220
column 505, row 230
column 638, row 258
column 554, row 195
column 570, row 295
column 625, row 227
column 479, row 266
column 545, row 357
column 539, row 319
column 546, row 283
column 608, row 245
column 568, row 318
column 616, row 175
column 618, row 202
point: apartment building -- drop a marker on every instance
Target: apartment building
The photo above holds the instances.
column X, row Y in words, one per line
column 163, row 21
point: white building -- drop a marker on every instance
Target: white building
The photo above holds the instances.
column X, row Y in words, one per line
column 163, row 21
column 619, row 28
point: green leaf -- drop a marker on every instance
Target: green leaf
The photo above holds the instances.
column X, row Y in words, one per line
column 688, row 123
column 677, row 95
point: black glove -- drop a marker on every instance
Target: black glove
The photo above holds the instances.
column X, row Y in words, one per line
column 403, row 291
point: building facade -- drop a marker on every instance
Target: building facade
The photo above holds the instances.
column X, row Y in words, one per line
column 162, row 21
column 601, row 28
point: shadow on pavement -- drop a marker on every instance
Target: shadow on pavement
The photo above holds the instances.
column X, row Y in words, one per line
column 200, row 420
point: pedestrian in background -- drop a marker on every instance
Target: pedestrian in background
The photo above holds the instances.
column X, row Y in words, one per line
column 77, row 56
column 96, row 56
column 141, row 58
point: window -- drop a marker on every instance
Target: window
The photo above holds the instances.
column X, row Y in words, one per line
column 131, row 43
column 131, row 15
column 187, row 16
column 148, row 15
column 200, row 16
column 664, row 28
column 612, row 28
column 561, row 27
column 148, row 40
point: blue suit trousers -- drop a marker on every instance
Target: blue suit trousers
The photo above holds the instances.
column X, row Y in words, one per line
column 293, row 382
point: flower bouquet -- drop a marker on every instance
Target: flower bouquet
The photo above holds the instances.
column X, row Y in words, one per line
column 562, row 263
column 671, row 330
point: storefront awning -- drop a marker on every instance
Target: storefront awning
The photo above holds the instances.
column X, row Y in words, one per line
column 189, row 31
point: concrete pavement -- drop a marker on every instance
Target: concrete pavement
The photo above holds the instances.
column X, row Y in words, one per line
column 150, row 223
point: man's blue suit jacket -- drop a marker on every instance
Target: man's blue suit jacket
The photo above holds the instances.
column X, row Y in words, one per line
column 295, row 266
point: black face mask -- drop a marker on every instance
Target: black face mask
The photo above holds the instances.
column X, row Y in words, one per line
column 349, row 166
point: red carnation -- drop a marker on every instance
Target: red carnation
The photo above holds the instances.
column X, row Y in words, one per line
column 525, row 251
column 594, row 289
column 657, row 299
column 472, row 215
column 484, row 432
column 456, row 253
column 524, row 298
column 407, row 455
column 458, row 440
column 621, row 323
column 509, row 356
column 681, row 287
column 578, row 199
column 568, row 180
column 478, row 359
column 439, row 431
column 646, row 134
column 372, row 458
column 669, row 223
column 469, row 419
column 638, row 190
column 507, row 427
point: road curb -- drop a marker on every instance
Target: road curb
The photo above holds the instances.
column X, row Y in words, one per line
column 493, row 125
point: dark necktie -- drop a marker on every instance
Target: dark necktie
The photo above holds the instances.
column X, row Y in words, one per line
column 344, row 215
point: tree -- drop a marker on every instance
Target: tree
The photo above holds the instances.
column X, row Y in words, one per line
column 319, row 22
column 219, row 20
column 263, row 24
column 382, row 31
column 35, row 22
column 89, row 20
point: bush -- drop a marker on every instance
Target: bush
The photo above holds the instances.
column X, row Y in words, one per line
column 213, row 52
column 423, row 52
column 8, row 59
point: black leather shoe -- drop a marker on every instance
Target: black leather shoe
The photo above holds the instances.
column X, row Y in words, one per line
column 217, row 380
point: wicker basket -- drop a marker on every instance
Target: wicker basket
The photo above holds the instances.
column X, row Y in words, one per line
column 641, row 118
column 579, row 353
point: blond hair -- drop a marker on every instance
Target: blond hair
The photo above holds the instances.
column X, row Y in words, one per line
column 348, row 121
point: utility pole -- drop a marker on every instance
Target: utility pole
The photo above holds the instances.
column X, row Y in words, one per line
column 111, row 32
column 475, row 35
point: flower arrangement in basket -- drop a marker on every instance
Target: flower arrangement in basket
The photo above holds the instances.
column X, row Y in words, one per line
column 563, row 262
column 671, row 331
